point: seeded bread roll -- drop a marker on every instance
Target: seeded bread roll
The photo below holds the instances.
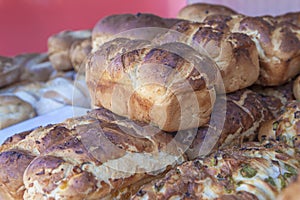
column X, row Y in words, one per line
column 163, row 85
column 234, row 53
column 109, row 27
column 59, row 45
column 14, row 110
column 199, row 11
column 100, row 155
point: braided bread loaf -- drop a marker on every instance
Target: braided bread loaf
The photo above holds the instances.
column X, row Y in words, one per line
column 234, row 53
column 162, row 84
column 277, row 39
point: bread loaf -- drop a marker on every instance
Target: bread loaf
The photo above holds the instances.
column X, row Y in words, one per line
column 246, row 111
column 9, row 73
column 14, row 110
column 277, row 38
column 199, row 11
column 234, row 53
column 252, row 171
column 59, row 45
column 79, row 51
column 163, row 85
column 100, row 155
column 110, row 26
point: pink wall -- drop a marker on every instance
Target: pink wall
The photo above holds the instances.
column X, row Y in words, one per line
column 26, row 24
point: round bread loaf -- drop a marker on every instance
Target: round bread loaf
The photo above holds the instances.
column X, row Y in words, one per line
column 199, row 11
column 112, row 25
column 234, row 53
column 167, row 85
column 292, row 17
column 59, row 46
column 14, row 110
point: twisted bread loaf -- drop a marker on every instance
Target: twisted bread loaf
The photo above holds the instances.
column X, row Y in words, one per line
column 277, row 40
column 166, row 85
column 252, row 171
column 234, row 53
column 100, row 155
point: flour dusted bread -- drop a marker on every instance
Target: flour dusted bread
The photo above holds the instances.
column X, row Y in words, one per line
column 14, row 110
column 234, row 53
column 59, row 45
column 96, row 156
column 199, row 11
column 165, row 85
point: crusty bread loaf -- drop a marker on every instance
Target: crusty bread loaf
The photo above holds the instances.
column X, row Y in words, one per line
column 296, row 88
column 292, row 17
column 59, row 45
column 234, row 53
column 251, row 171
column 97, row 156
column 113, row 26
column 14, row 110
column 164, row 85
column 199, row 11
column 278, row 45
column 245, row 112
column 34, row 66
column 9, row 73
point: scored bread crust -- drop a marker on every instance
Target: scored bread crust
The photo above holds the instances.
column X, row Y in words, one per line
column 199, row 11
column 76, row 159
column 234, row 53
column 154, row 84
column 9, row 73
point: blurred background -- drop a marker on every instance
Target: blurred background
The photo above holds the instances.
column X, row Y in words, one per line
column 27, row 24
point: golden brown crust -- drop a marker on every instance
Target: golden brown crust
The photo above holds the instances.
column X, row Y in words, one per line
column 152, row 83
column 292, row 17
column 234, row 53
column 95, row 156
column 13, row 164
column 277, row 44
column 199, row 11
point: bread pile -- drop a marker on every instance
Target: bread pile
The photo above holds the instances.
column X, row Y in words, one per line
column 203, row 106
